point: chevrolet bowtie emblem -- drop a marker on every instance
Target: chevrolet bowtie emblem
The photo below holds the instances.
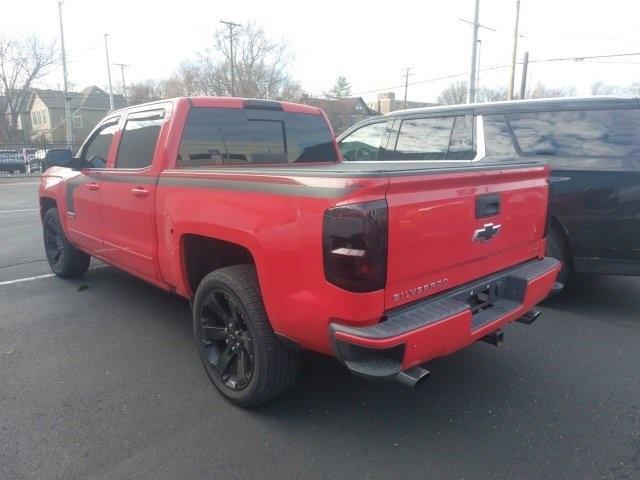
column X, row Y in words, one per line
column 487, row 232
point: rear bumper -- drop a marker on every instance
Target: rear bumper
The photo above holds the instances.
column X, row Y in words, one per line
column 440, row 325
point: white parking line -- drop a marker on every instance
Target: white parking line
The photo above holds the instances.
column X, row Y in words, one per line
column 21, row 210
column 38, row 277
column 18, row 183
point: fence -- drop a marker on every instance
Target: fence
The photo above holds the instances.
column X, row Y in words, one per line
column 23, row 161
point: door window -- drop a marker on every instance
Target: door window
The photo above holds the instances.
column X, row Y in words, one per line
column 139, row 139
column 461, row 145
column 584, row 133
column 424, row 138
column 363, row 144
column 97, row 150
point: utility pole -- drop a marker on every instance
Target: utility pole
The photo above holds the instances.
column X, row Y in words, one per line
column 477, row 86
column 106, row 52
column 67, row 108
column 471, row 95
column 513, row 54
column 523, row 84
column 231, row 26
column 406, row 85
column 124, row 85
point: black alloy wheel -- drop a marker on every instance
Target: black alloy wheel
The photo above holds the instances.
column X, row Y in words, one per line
column 225, row 341
column 53, row 242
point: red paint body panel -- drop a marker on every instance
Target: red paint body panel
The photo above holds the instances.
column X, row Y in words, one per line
column 278, row 218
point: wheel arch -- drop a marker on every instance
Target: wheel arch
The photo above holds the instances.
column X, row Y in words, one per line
column 202, row 254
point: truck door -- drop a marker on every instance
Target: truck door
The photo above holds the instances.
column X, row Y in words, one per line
column 127, row 198
column 83, row 193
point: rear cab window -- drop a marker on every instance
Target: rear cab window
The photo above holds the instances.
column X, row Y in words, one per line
column 223, row 136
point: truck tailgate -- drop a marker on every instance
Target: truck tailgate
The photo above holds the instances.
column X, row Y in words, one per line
column 446, row 229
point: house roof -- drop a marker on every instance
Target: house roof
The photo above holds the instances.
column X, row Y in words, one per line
column 89, row 98
column 339, row 106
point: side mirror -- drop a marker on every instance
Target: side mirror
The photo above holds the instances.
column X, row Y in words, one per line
column 59, row 157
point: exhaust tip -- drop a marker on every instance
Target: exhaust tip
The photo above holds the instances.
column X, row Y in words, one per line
column 529, row 317
column 413, row 376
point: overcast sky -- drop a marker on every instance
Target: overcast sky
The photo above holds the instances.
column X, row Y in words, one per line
column 371, row 43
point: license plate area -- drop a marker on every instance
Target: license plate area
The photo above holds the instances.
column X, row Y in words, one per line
column 492, row 299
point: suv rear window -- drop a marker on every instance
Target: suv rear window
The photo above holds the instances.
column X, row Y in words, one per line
column 223, row 136
column 583, row 133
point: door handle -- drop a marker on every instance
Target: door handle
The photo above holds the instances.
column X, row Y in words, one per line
column 93, row 186
column 140, row 192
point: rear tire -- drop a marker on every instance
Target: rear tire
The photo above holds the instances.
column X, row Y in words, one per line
column 65, row 260
column 240, row 352
column 558, row 248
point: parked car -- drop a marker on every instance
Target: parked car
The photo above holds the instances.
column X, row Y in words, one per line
column 242, row 207
column 592, row 145
column 11, row 161
column 32, row 163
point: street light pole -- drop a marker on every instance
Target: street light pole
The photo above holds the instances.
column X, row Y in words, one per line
column 67, row 108
column 106, row 52
column 471, row 95
column 124, row 85
column 231, row 26
column 513, row 54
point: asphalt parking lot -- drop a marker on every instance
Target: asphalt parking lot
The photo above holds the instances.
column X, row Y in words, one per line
column 99, row 378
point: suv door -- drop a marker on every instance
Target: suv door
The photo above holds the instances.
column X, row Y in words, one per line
column 128, row 192
column 83, row 191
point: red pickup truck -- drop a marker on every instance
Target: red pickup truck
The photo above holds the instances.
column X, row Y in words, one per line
column 244, row 208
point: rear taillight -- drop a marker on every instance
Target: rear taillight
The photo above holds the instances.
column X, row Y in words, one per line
column 355, row 246
column 547, row 223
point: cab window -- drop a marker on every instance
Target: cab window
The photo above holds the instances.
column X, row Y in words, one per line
column 97, row 149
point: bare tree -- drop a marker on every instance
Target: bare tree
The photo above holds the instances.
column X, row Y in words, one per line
column 543, row 91
column 454, row 94
column 145, row 91
column 23, row 61
column 491, row 94
column 260, row 66
column 341, row 89
column 601, row 88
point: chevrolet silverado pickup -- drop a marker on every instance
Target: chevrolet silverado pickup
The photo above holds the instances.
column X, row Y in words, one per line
column 245, row 208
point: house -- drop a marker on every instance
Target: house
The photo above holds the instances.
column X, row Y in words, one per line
column 46, row 112
column 342, row 112
column 16, row 127
column 41, row 115
column 387, row 103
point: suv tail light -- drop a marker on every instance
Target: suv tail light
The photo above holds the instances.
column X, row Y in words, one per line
column 547, row 223
column 355, row 246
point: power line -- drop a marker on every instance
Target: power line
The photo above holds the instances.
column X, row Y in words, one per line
column 498, row 67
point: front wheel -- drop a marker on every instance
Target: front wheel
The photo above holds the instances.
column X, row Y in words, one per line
column 241, row 354
column 65, row 260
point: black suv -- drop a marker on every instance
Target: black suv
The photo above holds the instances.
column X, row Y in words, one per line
column 592, row 145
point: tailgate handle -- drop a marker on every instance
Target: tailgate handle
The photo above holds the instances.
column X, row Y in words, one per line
column 487, row 205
